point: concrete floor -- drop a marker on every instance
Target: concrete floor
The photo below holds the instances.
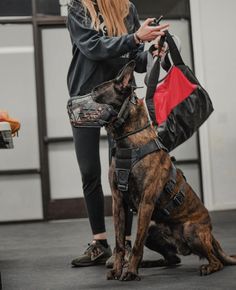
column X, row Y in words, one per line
column 37, row 257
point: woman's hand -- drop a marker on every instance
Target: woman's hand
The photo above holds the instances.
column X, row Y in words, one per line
column 160, row 51
column 149, row 33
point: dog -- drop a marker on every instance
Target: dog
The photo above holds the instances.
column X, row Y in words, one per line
column 170, row 222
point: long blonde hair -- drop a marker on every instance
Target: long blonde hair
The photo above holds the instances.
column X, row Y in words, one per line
column 113, row 13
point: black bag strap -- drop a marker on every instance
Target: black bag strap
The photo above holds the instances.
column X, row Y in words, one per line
column 174, row 52
column 155, row 71
column 153, row 79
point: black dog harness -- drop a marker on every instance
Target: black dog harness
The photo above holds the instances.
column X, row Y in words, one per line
column 126, row 158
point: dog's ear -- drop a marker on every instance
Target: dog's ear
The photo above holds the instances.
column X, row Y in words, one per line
column 126, row 74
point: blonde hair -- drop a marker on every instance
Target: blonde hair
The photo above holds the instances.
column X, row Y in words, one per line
column 113, row 12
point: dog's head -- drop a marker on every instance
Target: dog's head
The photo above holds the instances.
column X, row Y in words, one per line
column 115, row 92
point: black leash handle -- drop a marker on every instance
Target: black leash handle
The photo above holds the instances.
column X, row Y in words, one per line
column 155, row 72
column 174, row 51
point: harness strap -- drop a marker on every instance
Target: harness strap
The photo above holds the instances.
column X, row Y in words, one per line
column 138, row 153
column 170, row 185
column 133, row 132
column 125, row 159
column 123, row 114
column 176, row 200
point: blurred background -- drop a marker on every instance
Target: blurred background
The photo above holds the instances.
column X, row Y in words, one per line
column 39, row 178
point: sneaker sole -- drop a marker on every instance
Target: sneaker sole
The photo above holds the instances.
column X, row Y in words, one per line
column 92, row 263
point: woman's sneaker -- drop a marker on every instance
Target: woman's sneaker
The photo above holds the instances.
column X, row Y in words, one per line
column 128, row 249
column 95, row 254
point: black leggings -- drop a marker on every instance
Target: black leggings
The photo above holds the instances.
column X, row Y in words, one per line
column 87, row 151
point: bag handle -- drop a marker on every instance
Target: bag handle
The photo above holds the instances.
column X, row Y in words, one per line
column 174, row 52
column 155, row 71
column 153, row 79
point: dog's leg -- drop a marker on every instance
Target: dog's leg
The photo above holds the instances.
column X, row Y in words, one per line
column 146, row 208
column 153, row 185
column 144, row 217
column 119, row 224
column 202, row 246
column 161, row 239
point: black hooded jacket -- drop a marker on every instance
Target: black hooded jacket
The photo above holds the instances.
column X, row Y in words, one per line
column 97, row 57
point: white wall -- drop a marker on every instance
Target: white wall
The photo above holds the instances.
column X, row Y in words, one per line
column 214, row 42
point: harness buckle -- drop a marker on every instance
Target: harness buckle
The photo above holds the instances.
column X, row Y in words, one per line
column 123, row 187
column 169, row 187
column 122, row 179
column 179, row 198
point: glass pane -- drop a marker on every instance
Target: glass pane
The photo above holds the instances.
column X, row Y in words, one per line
column 18, row 95
column 20, row 198
column 56, row 63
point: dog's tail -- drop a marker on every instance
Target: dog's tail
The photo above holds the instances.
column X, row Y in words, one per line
column 227, row 260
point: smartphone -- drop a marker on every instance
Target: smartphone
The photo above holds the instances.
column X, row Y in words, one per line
column 156, row 21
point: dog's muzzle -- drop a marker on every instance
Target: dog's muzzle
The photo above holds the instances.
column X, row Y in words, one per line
column 83, row 111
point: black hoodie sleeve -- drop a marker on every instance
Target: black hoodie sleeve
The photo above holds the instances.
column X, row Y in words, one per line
column 92, row 43
column 138, row 54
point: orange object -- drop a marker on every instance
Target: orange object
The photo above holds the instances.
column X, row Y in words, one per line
column 15, row 124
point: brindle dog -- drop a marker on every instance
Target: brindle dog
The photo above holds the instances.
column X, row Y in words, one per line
column 188, row 229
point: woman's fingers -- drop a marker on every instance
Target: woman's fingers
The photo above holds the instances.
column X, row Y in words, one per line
column 160, row 27
column 160, row 51
column 148, row 21
column 149, row 33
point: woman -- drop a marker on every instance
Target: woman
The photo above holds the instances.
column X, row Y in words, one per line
column 105, row 35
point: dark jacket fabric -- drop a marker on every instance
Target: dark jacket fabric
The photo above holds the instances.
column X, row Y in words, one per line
column 97, row 57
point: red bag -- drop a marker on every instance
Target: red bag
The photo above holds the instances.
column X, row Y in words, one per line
column 179, row 105
column 174, row 89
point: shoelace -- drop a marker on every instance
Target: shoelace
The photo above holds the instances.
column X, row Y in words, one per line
column 94, row 250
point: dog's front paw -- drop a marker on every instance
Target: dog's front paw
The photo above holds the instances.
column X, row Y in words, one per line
column 114, row 274
column 130, row 276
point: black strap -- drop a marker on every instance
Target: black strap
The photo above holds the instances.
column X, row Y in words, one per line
column 122, row 115
column 152, row 146
column 133, row 132
column 155, row 71
column 153, row 79
column 176, row 201
column 126, row 158
column 165, row 63
column 138, row 153
column 174, row 52
column 170, row 185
